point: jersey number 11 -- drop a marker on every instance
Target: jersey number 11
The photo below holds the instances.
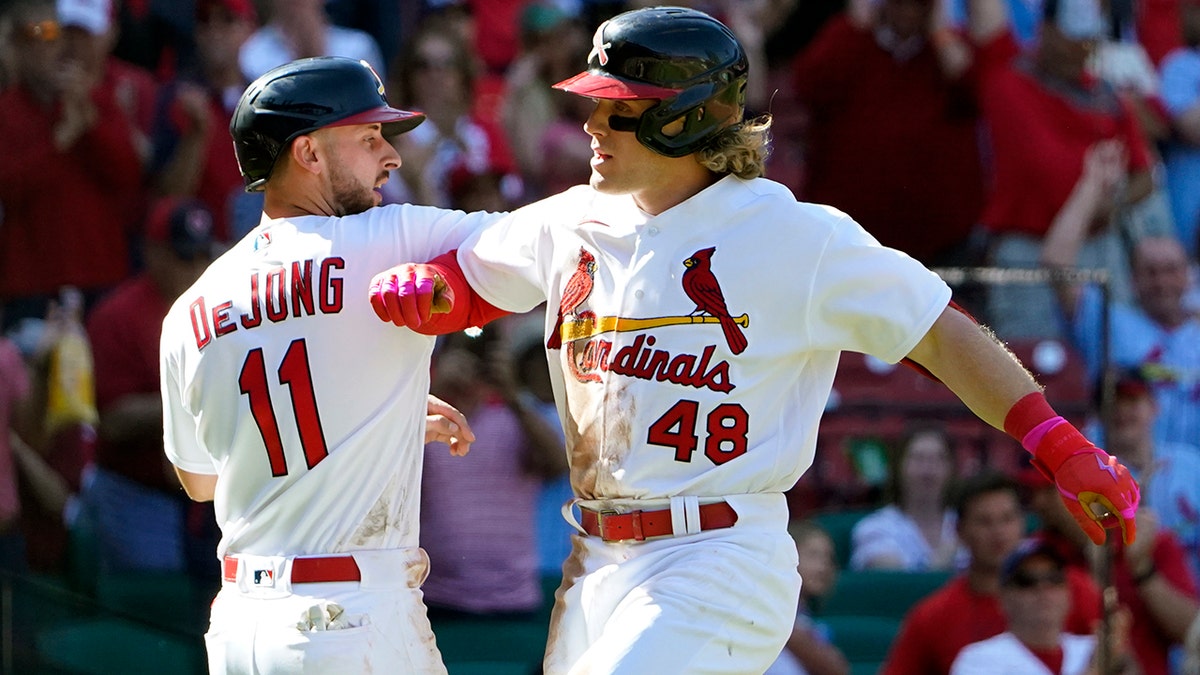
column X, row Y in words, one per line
column 293, row 372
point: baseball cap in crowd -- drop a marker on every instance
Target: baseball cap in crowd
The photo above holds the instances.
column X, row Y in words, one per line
column 238, row 9
column 94, row 16
column 185, row 225
column 1013, row 573
column 1127, row 383
column 1076, row 19
column 1131, row 382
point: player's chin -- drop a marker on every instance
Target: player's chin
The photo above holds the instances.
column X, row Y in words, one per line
column 601, row 184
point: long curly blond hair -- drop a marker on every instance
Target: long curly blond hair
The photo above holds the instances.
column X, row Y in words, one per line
column 741, row 149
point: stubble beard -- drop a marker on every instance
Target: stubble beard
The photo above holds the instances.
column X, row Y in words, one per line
column 349, row 197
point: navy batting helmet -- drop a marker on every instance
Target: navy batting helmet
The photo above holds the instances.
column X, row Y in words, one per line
column 687, row 60
column 303, row 96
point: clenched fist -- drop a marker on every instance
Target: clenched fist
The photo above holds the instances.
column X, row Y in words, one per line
column 1099, row 493
column 409, row 294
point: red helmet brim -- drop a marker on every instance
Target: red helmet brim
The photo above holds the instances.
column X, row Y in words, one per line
column 394, row 120
column 594, row 85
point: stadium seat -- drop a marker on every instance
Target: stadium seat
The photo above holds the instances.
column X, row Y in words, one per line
column 1062, row 370
column 171, row 600
column 866, row 668
column 863, row 639
column 469, row 642
column 104, row 646
column 839, row 525
column 883, row 593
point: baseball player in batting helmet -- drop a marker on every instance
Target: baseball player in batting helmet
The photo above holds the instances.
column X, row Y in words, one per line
column 311, row 451
column 696, row 315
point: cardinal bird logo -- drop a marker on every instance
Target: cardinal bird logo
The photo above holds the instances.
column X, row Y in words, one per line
column 578, row 288
column 702, row 288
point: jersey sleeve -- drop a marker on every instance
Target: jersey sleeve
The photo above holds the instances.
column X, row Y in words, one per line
column 179, row 425
column 869, row 298
column 501, row 261
column 433, row 231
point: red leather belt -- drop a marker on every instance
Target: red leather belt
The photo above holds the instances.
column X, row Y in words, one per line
column 640, row 525
column 309, row 570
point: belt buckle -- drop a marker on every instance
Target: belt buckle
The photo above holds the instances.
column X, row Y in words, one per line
column 601, row 516
column 635, row 524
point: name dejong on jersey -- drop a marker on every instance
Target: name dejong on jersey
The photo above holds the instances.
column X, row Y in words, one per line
column 299, row 288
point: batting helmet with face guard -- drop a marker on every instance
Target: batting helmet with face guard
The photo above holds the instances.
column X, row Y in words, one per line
column 685, row 59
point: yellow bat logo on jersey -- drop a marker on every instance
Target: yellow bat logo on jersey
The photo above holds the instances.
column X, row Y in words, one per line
column 639, row 359
column 589, row 325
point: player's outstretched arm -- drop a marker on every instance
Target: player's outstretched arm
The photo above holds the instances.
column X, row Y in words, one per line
column 430, row 298
column 1098, row 490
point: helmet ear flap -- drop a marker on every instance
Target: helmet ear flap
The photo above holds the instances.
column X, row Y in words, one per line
column 701, row 121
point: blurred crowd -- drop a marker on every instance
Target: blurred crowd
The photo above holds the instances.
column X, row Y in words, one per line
column 1018, row 135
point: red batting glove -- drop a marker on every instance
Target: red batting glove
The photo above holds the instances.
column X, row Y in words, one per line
column 1098, row 490
column 408, row 294
column 1099, row 493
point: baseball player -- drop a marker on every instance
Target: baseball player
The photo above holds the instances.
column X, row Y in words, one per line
column 311, row 451
column 703, row 311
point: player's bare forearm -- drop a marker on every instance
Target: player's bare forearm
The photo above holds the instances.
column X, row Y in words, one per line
column 1097, row 490
column 980, row 370
column 201, row 487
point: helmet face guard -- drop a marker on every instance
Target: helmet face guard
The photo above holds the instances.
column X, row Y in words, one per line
column 688, row 61
column 300, row 97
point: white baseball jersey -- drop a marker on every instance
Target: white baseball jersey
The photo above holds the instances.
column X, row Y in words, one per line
column 1004, row 654
column 708, row 378
column 278, row 377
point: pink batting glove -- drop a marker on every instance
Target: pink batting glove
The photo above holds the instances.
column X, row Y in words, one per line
column 409, row 294
column 1099, row 493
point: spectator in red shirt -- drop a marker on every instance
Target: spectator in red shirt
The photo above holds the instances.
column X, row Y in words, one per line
column 193, row 155
column 89, row 37
column 1043, row 110
column 968, row 609
column 892, row 132
column 70, row 173
column 1151, row 575
column 132, row 482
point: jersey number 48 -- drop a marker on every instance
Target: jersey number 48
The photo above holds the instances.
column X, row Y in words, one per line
column 725, row 431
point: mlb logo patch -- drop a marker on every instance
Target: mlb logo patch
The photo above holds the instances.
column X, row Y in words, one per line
column 264, row 578
column 262, row 241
